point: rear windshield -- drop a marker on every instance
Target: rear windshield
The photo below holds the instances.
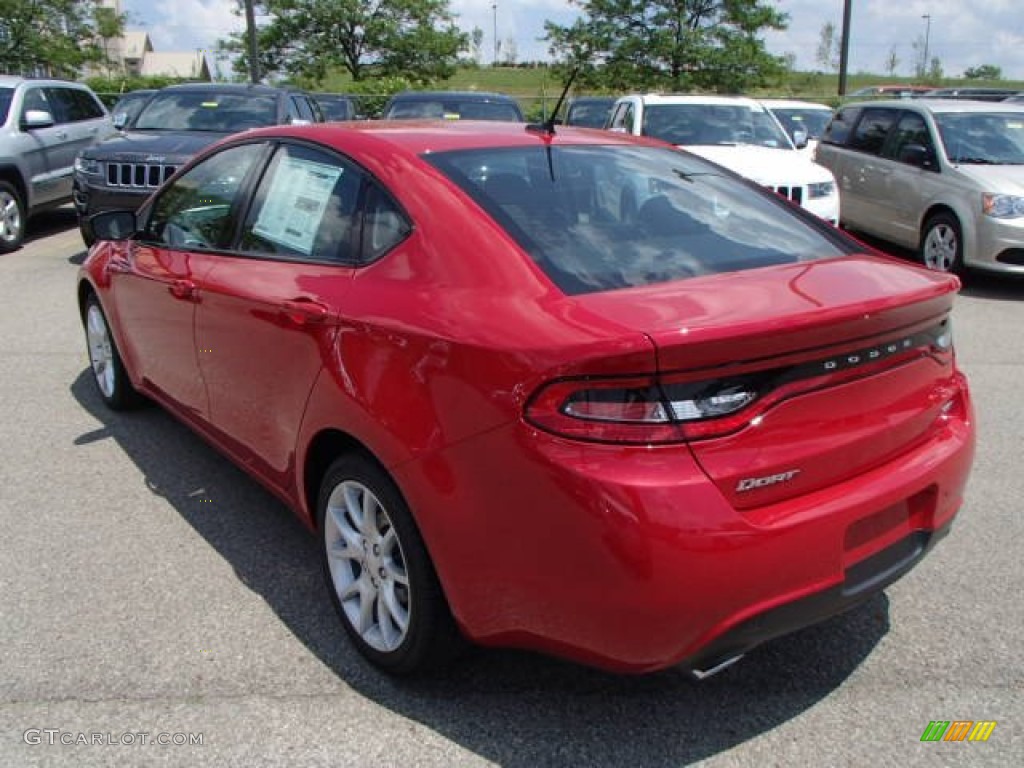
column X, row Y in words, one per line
column 206, row 111
column 598, row 218
column 454, row 110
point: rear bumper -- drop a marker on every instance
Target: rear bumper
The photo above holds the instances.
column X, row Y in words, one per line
column 629, row 558
column 860, row 581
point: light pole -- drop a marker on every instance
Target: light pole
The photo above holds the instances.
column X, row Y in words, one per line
column 927, row 34
column 494, row 7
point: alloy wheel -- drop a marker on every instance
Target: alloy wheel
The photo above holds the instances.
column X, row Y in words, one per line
column 367, row 566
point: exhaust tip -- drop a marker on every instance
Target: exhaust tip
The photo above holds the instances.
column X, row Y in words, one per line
column 704, row 674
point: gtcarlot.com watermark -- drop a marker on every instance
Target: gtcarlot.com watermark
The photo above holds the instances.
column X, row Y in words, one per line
column 55, row 736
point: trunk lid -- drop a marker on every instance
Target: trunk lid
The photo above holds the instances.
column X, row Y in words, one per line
column 844, row 351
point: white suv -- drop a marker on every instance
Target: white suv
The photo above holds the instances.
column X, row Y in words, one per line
column 43, row 125
column 737, row 133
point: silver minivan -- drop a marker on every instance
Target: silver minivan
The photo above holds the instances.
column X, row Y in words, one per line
column 44, row 124
column 944, row 178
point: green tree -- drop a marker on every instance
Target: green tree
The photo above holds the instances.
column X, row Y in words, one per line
column 109, row 25
column 829, row 44
column 892, row 62
column 675, row 44
column 984, row 72
column 305, row 39
column 47, row 37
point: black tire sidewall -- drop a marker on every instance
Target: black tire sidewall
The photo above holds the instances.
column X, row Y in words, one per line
column 13, row 245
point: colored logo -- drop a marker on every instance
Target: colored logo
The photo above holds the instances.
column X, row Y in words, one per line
column 958, row 730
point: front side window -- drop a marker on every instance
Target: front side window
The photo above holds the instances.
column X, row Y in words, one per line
column 197, row 210
column 36, row 99
column 306, row 207
column 609, row 217
column 6, row 96
column 72, row 105
column 910, row 130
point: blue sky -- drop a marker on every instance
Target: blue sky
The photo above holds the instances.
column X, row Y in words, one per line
column 962, row 34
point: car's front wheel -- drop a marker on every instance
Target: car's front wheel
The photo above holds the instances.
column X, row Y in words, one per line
column 107, row 369
column 941, row 244
column 381, row 579
column 12, row 218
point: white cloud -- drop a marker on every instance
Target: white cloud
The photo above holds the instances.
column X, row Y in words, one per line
column 964, row 33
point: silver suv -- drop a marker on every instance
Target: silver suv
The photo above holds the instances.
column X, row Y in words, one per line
column 43, row 126
column 945, row 178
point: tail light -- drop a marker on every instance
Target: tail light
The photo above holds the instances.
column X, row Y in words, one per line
column 657, row 409
column 642, row 410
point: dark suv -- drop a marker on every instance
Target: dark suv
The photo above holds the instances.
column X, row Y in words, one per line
column 175, row 124
column 452, row 105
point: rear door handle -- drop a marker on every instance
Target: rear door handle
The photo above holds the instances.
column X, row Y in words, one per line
column 304, row 311
column 183, row 289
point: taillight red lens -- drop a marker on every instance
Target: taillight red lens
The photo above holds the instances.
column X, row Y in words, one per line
column 641, row 411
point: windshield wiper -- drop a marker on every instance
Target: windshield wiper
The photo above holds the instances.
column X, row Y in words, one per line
column 974, row 161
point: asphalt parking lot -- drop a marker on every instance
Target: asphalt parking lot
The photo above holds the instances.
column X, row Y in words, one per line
column 149, row 587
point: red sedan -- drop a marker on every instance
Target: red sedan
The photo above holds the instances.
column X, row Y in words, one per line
column 517, row 411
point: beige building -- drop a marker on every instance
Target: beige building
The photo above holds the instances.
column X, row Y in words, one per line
column 133, row 54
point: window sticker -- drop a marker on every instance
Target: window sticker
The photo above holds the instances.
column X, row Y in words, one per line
column 295, row 203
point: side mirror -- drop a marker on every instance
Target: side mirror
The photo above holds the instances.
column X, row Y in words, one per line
column 114, row 225
column 800, row 138
column 917, row 155
column 37, row 118
column 120, row 120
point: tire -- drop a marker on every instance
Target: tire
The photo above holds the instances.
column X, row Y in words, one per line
column 942, row 244
column 108, row 371
column 378, row 572
column 86, row 231
column 12, row 218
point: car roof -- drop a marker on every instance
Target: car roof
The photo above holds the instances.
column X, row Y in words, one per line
column 418, row 137
column 10, row 81
column 795, row 104
column 942, row 105
column 692, row 98
column 257, row 88
column 463, row 95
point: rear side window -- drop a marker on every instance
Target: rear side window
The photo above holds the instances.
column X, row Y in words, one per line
column 306, row 207
column 871, row 130
column 598, row 218
column 839, row 128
